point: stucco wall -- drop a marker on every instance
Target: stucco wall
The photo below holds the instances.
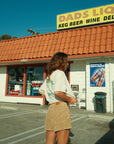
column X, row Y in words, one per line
column 80, row 74
column 112, row 84
column 91, row 90
column 2, row 82
column 77, row 77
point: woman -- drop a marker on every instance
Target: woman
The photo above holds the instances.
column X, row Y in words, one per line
column 59, row 94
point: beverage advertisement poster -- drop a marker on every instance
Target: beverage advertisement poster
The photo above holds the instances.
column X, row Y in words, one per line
column 97, row 74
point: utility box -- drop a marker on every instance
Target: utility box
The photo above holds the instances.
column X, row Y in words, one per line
column 100, row 102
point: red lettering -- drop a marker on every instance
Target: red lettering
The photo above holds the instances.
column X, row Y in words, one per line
column 85, row 14
column 109, row 10
column 77, row 15
column 69, row 17
column 94, row 13
column 101, row 11
column 61, row 18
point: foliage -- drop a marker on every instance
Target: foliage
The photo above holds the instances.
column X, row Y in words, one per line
column 5, row 37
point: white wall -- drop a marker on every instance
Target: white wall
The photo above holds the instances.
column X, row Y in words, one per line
column 91, row 90
column 108, row 82
column 112, row 84
column 77, row 77
column 80, row 74
column 2, row 82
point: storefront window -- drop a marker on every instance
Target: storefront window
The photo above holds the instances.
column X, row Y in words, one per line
column 34, row 79
column 15, row 82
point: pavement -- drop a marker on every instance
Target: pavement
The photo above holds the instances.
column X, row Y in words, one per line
column 24, row 124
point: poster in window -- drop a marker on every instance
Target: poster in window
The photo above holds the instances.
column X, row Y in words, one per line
column 97, row 74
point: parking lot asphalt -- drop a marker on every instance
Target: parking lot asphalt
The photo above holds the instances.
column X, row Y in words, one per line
column 24, row 124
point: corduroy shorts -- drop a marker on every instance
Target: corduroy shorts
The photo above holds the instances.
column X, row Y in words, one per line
column 58, row 117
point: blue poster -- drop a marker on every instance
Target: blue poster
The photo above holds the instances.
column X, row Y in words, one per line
column 97, row 74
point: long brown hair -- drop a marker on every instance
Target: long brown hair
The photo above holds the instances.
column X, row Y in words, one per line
column 58, row 61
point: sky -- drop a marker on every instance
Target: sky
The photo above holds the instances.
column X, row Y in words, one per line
column 16, row 16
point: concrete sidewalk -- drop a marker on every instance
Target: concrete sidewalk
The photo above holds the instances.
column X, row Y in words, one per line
column 94, row 128
column 24, row 124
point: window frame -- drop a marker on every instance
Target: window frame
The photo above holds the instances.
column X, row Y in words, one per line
column 24, row 79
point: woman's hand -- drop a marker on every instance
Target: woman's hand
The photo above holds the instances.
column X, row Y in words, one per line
column 73, row 100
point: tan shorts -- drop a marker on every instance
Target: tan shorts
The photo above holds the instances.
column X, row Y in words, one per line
column 58, row 117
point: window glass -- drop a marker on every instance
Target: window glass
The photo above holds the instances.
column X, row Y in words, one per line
column 15, row 82
column 34, row 79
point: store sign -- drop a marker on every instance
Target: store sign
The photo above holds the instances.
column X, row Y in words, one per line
column 75, row 87
column 97, row 75
column 91, row 16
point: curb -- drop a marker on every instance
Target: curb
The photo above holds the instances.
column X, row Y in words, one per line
column 110, row 118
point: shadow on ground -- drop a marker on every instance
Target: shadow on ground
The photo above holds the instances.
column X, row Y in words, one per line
column 108, row 138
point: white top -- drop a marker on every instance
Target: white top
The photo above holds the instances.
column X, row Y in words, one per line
column 57, row 82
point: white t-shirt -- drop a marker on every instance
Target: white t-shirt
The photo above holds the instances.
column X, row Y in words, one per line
column 57, row 82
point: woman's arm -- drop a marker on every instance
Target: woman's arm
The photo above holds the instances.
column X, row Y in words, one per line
column 63, row 96
column 42, row 88
column 41, row 93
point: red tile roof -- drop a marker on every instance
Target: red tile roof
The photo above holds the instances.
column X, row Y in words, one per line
column 80, row 42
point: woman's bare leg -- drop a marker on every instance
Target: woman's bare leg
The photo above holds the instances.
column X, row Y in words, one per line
column 50, row 137
column 63, row 136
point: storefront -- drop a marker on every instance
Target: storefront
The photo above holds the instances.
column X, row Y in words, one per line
column 22, row 83
column 90, row 52
column 16, row 80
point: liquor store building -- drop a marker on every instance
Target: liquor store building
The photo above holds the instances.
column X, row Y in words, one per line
column 90, row 52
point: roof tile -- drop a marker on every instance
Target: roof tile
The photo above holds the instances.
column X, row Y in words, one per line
column 104, row 35
column 108, row 48
column 108, row 41
column 93, row 31
column 78, row 38
column 74, row 42
column 109, row 35
column 102, row 48
column 79, row 31
column 93, row 37
column 113, row 47
column 103, row 42
column 69, row 33
column 88, row 31
column 110, row 28
column 104, row 29
column 74, row 33
column 68, row 39
column 98, row 36
column 97, row 48
column 99, row 29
